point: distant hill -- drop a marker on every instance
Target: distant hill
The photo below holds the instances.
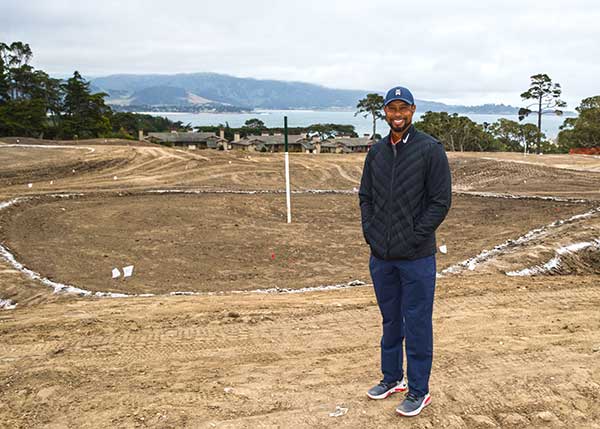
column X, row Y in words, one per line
column 218, row 89
column 160, row 95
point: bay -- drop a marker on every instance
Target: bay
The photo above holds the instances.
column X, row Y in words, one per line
column 303, row 118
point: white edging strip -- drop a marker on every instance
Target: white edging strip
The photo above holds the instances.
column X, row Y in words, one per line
column 277, row 290
column 7, row 304
column 355, row 191
column 241, row 192
column 7, row 204
column 471, row 263
column 69, row 289
column 555, row 262
column 520, row 197
column 353, row 283
column 58, row 287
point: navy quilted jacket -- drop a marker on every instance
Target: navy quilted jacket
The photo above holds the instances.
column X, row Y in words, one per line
column 404, row 195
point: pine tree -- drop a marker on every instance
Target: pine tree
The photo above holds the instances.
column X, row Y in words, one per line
column 84, row 114
column 547, row 100
column 371, row 105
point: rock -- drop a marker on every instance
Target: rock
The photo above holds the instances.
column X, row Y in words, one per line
column 134, row 327
column 453, row 422
column 581, row 405
column 546, row 416
column 514, row 419
column 482, row 422
column 233, row 314
column 46, row 392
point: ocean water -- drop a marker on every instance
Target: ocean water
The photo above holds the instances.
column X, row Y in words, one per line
column 302, row 118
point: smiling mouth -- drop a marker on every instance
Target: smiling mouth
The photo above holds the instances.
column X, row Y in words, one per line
column 398, row 122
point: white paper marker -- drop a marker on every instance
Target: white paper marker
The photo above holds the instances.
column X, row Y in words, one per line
column 116, row 273
column 443, row 249
column 29, row 185
column 128, row 271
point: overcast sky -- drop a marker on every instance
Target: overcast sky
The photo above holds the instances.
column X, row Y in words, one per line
column 464, row 52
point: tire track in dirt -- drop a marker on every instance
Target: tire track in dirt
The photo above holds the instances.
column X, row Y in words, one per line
column 345, row 175
column 591, row 168
column 308, row 352
column 230, row 332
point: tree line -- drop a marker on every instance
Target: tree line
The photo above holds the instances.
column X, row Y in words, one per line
column 460, row 133
column 33, row 104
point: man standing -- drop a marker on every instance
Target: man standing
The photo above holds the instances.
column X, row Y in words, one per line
column 405, row 194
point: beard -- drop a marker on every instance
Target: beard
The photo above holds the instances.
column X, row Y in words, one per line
column 398, row 129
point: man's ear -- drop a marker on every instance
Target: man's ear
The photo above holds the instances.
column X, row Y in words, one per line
column 413, row 108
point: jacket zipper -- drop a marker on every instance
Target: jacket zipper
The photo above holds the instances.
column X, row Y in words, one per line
column 389, row 217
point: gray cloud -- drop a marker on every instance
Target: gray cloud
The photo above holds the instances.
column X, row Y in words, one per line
column 460, row 51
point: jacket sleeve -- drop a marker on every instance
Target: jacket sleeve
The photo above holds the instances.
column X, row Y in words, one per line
column 365, row 194
column 439, row 194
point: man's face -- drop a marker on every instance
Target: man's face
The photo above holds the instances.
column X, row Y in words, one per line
column 398, row 115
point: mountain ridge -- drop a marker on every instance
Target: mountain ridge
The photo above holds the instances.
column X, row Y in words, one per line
column 193, row 90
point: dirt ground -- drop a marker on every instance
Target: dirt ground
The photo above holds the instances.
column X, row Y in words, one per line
column 225, row 242
column 510, row 351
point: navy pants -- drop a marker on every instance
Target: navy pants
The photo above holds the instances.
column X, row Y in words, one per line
column 405, row 291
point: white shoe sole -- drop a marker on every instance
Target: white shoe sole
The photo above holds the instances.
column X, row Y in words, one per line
column 400, row 388
column 425, row 402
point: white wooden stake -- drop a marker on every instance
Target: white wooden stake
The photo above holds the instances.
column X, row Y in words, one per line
column 287, row 188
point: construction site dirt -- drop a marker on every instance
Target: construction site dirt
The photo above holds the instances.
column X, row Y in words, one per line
column 231, row 317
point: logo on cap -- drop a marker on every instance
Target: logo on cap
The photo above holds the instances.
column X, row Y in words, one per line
column 398, row 91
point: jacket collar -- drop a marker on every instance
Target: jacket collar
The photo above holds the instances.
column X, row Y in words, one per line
column 407, row 137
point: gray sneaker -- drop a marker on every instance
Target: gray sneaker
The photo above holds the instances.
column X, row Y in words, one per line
column 413, row 404
column 383, row 390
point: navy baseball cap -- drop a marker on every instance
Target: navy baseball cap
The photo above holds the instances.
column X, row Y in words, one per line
column 399, row 93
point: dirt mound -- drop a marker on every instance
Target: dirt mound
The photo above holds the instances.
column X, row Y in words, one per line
column 586, row 261
column 478, row 174
column 483, row 172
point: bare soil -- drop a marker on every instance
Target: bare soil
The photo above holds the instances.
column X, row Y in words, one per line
column 509, row 351
column 228, row 242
